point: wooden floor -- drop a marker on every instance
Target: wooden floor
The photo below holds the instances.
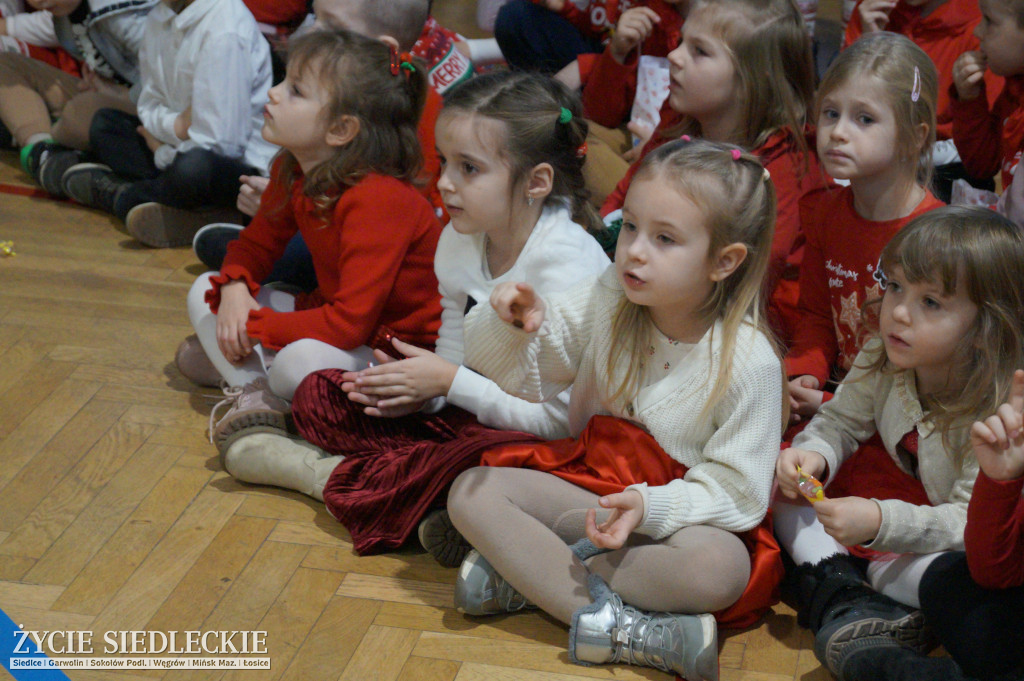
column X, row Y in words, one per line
column 116, row 515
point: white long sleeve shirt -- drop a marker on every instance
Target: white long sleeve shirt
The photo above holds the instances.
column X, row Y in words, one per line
column 210, row 57
column 558, row 254
column 730, row 454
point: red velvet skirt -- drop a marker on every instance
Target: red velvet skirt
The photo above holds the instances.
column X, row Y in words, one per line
column 395, row 470
column 611, row 454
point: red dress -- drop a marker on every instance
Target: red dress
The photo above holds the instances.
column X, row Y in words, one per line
column 596, row 463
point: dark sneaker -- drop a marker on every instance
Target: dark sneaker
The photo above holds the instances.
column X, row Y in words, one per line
column 210, row 244
column 53, row 167
column 876, row 617
column 93, row 185
column 441, row 540
column 33, row 156
column 160, row 226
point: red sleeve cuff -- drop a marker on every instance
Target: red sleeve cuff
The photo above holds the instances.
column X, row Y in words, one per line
column 228, row 274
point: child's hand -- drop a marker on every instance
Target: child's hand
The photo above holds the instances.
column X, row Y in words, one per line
column 874, row 14
column 643, row 133
column 151, row 142
column 999, row 441
column 627, row 512
column 249, row 193
column 968, row 74
column 519, row 305
column 182, row 123
column 235, row 304
column 396, row 387
column 850, row 520
column 634, row 26
column 804, row 398
column 811, row 463
column 554, row 5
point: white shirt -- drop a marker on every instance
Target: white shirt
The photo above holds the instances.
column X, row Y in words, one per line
column 213, row 58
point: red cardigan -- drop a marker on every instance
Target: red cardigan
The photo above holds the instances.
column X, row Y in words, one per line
column 374, row 262
column 994, row 537
column 944, row 35
column 990, row 140
column 609, row 87
column 837, row 277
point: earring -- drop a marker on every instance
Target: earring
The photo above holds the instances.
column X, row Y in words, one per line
column 529, row 200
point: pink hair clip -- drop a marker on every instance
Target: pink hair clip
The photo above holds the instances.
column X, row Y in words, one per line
column 736, row 153
column 686, row 138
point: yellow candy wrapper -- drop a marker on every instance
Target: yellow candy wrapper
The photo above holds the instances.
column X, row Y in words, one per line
column 6, row 248
column 813, row 490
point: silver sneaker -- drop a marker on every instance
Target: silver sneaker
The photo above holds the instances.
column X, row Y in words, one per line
column 480, row 590
column 609, row 632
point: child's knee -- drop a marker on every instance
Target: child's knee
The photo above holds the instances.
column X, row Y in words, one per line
column 464, row 491
column 197, row 305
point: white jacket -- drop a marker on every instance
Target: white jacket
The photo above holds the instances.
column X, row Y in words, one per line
column 213, row 58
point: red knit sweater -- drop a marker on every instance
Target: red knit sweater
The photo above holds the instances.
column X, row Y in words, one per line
column 994, row 536
column 836, row 278
column 944, row 35
column 374, row 262
column 990, row 140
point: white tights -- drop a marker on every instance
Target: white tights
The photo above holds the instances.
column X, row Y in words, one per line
column 801, row 534
column 285, row 369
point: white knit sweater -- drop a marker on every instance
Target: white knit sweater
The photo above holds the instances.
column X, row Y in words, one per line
column 869, row 402
column 730, row 457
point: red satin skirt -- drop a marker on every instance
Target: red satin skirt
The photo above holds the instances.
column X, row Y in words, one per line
column 611, row 454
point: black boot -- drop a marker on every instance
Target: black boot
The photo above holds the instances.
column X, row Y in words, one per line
column 877, row 659
column 841, row 609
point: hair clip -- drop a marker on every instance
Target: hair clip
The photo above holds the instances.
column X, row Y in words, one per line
column 581, row 150
column 765, row 175
column 406, row 63
column 564, row 116
column 915, row 92
column 395, row 63
column 736, row 153
column 686, row 138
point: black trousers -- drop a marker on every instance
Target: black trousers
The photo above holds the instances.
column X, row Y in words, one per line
column 198, row 178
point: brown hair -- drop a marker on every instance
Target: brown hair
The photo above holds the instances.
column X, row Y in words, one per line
column 356, row 73
column 737, row 200
column 982, row 251
column 771, row 55
column 531, row 107
column 894, row 60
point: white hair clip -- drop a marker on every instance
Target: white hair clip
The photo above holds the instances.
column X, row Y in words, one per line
column 915, row 92
column 766, row 175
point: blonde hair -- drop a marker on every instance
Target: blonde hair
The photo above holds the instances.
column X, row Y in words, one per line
column 355, row 71
column 733, row 192
column 983, row 252
column 902, row 69
column 771, row 55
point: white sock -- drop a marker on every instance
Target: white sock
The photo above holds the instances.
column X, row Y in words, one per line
column 900, row 579
column 801, row 535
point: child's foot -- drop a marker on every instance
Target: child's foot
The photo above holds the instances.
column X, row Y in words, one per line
column 160, row 226
column 441, row 540
column 52, row 168
column 34, row 155
column 250, row 405
column 480, row 590
column 93, row 185
column 195, row 365
column 874, row 616
column 608, row 632
column 267, row 456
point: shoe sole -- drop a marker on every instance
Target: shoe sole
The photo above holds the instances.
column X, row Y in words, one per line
column 908, row 631
column 441, row 540
column 160, row 226
column 269, row 420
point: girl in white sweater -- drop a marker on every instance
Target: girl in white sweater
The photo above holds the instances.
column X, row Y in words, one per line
column 893, row 446
column 677, row 404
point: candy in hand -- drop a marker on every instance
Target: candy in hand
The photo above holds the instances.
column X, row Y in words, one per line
column 810, row 487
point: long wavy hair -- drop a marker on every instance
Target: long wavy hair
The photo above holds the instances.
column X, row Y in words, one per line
column 980, row 252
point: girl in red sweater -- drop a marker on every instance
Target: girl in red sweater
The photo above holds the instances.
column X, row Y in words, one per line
column 743, row 74
column 876, row 126
column 346, row 117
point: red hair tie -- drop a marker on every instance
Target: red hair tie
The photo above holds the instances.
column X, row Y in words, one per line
column 395, row 61
column 581, row 150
